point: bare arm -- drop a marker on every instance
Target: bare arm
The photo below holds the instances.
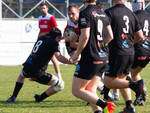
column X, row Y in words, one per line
column 109, row 34
column 139, row 36
column 62, row 59
column 83, row 40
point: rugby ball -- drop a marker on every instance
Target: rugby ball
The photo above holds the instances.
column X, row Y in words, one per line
column 70, row 31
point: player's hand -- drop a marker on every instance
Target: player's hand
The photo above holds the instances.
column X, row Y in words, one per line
column 74, row 58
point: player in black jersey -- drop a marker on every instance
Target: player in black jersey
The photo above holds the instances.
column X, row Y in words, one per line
column 142, row 49
column 36, row 64
column 93, row 24
column 124, row 24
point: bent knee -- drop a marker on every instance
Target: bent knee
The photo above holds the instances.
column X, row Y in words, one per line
column 59, row 85
column 107, row 81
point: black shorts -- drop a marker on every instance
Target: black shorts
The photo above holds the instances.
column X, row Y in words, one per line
column 119, row 65
column 140, row 61
column 30, row 72
column 87, row 71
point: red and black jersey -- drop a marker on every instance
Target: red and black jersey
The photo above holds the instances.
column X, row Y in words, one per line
column 97, row 20
column 142, row 48
column 46, row 23
column 73, row 26
column 124, row 24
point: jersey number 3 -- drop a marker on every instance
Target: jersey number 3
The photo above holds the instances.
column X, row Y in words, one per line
column 126, row 29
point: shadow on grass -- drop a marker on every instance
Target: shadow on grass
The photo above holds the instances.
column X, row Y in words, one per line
column 44, row 104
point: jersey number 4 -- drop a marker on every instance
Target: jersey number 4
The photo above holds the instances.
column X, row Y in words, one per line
column 146, row 26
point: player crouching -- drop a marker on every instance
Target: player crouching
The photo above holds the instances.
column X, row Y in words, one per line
column 36, row 65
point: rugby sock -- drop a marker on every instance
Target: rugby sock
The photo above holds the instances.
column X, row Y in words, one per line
column 133, row 85
column 43, row 96
column 106, row 91
column 101, row 103
column 128, row 103
column 17, row 88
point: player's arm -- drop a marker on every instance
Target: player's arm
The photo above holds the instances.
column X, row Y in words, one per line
column 74, row 44
column 61, row 58
column 83, row 40
column 139, row 36
column 109, row 34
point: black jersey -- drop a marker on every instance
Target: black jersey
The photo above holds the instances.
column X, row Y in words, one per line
column 41, row 54
column 124, row 24
column 97, row 20
column 142, row 48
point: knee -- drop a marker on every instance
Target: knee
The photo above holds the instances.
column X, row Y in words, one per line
column 75, row 91
column 58, row 84
column 107, row 82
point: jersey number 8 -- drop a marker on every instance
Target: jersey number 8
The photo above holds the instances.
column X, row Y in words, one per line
column 37, row 45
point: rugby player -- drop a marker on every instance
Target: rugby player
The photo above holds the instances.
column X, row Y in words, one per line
column 124, row 24
column 142, row 48
column 93, row 25
column 36, row 64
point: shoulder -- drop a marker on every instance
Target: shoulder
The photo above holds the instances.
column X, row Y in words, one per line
column 47, row 17
column 70, row 23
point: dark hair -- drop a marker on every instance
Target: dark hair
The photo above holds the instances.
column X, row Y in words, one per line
column 89, row 1
column 53, row 33
column 44, row 4
column 100, row 4
column 71, row 6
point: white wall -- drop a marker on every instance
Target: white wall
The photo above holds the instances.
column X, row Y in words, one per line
column 17, row 39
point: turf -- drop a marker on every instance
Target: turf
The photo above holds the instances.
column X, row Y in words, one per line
column 62, row 102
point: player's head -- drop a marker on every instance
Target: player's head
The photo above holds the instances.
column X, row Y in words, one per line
column 138, row 5
column 55, row 33
column 73, row 13
column 44, row 9
column 113, row 2
column 88, row 1
column 100, row 4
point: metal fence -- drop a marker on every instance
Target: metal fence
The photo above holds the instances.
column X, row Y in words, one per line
column 30, row 8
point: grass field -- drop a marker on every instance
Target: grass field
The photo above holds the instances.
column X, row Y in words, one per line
column 62, row 102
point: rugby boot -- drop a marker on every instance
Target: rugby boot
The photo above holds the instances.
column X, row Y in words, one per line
column 129, row 109
column 109, row 108
column 37, row 98
column 11, row 99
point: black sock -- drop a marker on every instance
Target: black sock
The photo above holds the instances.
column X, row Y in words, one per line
column 43, row 96
column 106, row 91
column 128, row 78
column 128, row 103
column 133, row 85
column 98, row 111
column 101, row 103
column 17, row 88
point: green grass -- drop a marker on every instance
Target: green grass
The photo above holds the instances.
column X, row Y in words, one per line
column 62, row 102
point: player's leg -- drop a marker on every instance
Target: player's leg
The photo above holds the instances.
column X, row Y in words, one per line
column 137, row 67
column 82, row 79
column 91, row 87
column 17, row 88
column 48, row 79
column 56, row 66
column 116, row 94
column 126, row 93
